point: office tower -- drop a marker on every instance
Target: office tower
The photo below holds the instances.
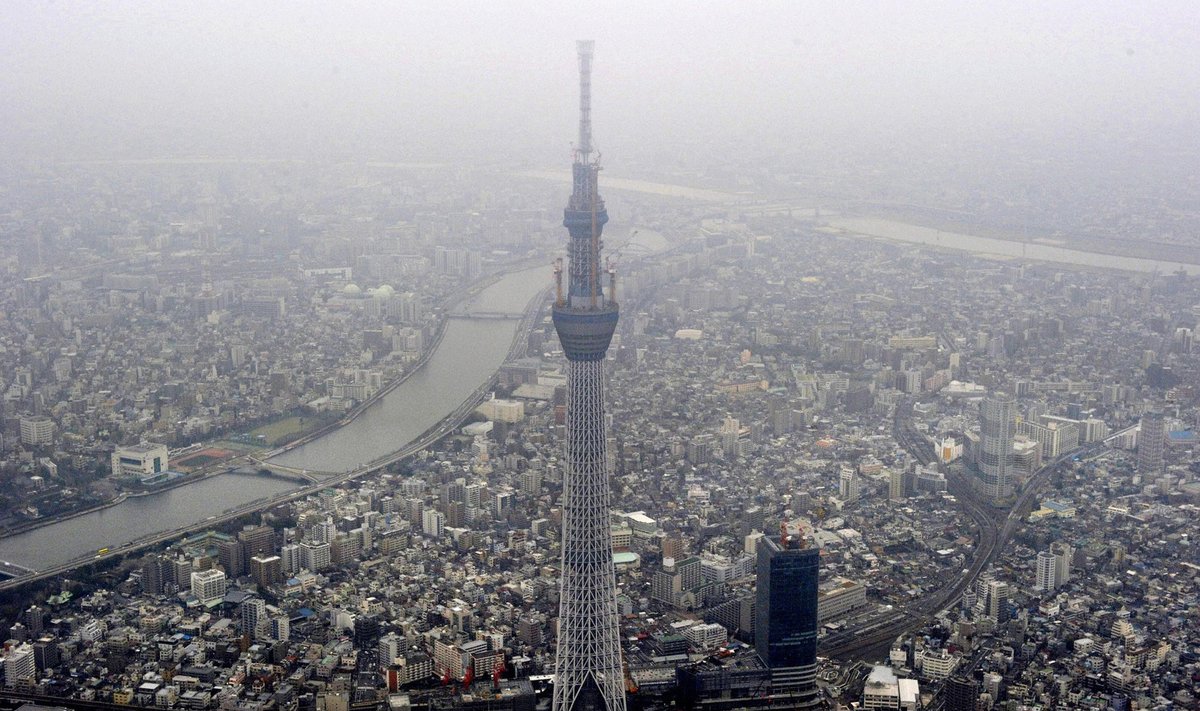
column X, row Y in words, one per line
column 1152, row 436
column 1063, row 553
column 35, row 621
column 730, row 431
column 389, row 648
column 1054, row 567
column 366, row 631
column 280, row 629
column 896, row 484
column 997, row 425
column 155, row 572
column 473, row 495
column 995, row 601
column 673, row 547
column 315, row 557
column 266, row 570
column 676, row 578
column 754, row 519
column 256, row 540
column 588, row 664
column 456, row 515
column 1045, row 572
column 181, row 573
column 46, row 654
column 229, row 553
column 785, row 624
column 962, row 694
column 322, row 531
column 291, row 558
column 848, row 484
column 20, row 664
column 209, row 586
column 433, row 523
column 254, row 616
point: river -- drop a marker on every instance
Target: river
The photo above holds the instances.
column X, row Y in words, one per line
column 914, row 234
column 136, row 518
column 470, row 352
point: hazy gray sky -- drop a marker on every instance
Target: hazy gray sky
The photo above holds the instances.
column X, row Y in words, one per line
column 455, row 79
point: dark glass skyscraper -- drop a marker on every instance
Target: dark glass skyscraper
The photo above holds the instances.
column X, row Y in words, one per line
column 962, row 694
column 1152, row 436
column 997, row 428
column 785, row 624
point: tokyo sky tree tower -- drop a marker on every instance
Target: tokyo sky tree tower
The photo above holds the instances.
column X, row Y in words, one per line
column 588, row 669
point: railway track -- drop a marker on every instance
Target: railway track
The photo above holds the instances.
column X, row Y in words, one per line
column 865, row 640
column 996, row 527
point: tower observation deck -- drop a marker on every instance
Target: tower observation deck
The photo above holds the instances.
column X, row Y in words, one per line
column 588, row 672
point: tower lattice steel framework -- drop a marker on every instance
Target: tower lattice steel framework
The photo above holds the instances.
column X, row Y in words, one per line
column 588, row 666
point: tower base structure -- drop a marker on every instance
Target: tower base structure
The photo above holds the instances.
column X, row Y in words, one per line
column 588, row 672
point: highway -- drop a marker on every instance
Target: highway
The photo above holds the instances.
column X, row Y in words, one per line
column 870, row 639
column 447, row 425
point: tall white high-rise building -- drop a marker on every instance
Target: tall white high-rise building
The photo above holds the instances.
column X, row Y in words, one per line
column 209, row 585
column 848, row 483
column 1063, row 553
column 254, row 618
column 19, row 664
column 389, row 648
column 991, row 598
column 291, row 558
column 1045, row 572
column 896, row 484
column 730, row 430
column 281, row 629
column 433, row 523
column 37, row 431
column 315, row 556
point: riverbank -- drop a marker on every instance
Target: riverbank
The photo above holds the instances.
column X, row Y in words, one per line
column 446, row 425
column 41, row 523
column 464, row 371
column 449, row 305
column 954, row 222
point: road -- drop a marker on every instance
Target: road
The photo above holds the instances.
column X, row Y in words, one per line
column 870, row 639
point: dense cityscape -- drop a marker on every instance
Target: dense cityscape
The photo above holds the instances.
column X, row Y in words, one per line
column 318, row 436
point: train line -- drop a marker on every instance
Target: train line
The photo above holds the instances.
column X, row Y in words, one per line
column 996, row 526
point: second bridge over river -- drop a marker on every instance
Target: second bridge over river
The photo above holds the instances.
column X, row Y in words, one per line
column 489, row 315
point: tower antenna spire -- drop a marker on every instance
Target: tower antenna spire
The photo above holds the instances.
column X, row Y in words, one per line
column 585, row 49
